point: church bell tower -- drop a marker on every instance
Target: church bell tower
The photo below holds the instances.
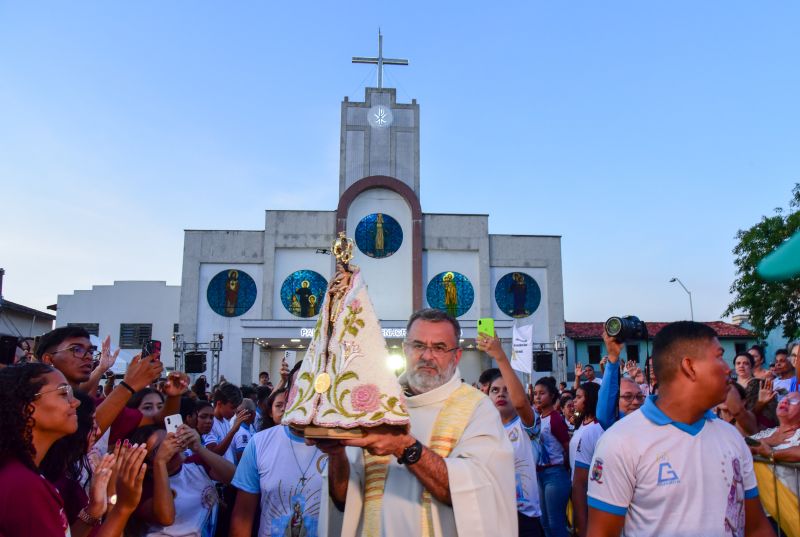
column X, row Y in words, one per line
column 379, row 135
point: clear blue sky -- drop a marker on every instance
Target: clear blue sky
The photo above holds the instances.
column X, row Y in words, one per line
column 645, row 133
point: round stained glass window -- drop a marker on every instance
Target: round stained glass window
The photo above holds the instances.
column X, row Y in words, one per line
column 379, row 235
column 231, row 293
column 517, row 294
column 303, row 292
column 451, row 292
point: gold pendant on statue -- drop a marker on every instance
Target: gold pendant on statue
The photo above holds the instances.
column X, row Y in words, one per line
column 322, row 383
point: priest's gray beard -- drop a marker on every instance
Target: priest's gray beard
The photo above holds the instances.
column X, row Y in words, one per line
column 423, row 382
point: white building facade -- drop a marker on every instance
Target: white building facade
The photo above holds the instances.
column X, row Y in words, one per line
column 262, row 290
column 131, row 312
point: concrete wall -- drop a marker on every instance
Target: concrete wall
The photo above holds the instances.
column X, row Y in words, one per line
column 303, row 230
column 124, row 302
column 209, row 322
column 212, row 247
column 527, row 253
column 461, row 233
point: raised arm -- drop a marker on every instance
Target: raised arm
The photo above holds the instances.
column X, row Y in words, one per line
column 177, row 384
column 107, row 359
column 219, row 469
column 129, row 479
column 578, row 375
column 160, row 509
column 516, row 392
column 222, row 446
column 607, row 404
column 140, row 373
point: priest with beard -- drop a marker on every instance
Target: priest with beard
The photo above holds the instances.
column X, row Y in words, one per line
column 451, row 473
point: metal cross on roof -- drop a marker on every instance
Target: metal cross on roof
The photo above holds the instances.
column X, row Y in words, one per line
column 380, row 60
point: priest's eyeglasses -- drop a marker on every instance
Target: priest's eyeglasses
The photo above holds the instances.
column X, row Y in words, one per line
column 437, row 351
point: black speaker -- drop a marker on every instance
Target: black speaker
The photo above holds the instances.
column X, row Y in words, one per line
column 195, row 362
column 8, row 349
column 542, row 361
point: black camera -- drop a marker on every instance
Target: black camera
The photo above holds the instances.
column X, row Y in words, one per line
column 625, row 328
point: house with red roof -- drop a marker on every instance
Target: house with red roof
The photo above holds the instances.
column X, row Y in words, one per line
column 585, row 341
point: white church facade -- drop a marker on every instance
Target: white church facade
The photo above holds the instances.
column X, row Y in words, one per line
column 262, row 290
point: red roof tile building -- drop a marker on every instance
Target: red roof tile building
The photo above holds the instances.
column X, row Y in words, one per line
column 585, row 342
column 593, row 330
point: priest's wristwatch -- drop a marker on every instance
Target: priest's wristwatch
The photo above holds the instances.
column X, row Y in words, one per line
column 411, row 454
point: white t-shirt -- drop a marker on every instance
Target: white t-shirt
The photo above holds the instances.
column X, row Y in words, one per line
column 219, row 430
column 673, row 479
column 272, row 465
column 785, row 384
column 524, row 467
column 582, row 444
column 597, row 380
column 195, row 497
column 242, row 437
column 552, row 451
column 789, row 476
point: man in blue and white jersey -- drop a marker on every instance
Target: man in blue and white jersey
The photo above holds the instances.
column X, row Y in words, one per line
column 671, row 468
column 609, row 409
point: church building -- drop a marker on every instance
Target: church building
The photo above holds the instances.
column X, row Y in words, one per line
column 257, row 294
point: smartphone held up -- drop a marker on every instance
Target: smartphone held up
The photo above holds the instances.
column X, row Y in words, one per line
column 152, row 347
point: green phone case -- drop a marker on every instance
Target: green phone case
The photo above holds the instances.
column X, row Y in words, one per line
column 486, row 326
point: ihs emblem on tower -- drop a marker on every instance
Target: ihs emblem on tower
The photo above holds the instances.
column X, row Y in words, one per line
column 380, row 116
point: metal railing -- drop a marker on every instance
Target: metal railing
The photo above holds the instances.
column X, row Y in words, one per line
column 787, row 474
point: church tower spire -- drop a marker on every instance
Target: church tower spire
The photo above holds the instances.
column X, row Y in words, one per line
column 379, row 136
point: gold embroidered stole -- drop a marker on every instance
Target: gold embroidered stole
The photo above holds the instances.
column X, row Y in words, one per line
column 447, row 430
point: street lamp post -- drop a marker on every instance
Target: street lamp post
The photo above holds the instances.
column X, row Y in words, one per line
column 691, row 308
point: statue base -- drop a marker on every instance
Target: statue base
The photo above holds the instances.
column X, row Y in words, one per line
column 332, row 433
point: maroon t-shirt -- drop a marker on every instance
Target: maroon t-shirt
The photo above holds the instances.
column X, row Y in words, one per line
column 124, row 424
column 29, row 504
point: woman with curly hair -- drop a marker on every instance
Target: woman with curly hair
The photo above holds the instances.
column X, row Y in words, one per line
column 37, row 408
column 80, row 473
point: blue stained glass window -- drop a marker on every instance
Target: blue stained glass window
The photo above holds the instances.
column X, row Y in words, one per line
column 231, row 293
column 517, row 294
column 451, row 292
column 379, row 235
column 303, row 292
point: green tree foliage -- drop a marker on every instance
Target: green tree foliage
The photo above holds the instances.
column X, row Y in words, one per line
column 769, row 304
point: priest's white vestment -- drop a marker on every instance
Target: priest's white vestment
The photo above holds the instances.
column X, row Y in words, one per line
column 480, row 471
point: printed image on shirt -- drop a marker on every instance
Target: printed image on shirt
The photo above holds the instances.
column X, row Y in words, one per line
column 734, row 512
column 526, row 485
column 299, row 522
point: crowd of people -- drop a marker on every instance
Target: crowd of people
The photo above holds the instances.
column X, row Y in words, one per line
column 634, row 450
